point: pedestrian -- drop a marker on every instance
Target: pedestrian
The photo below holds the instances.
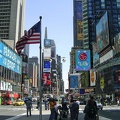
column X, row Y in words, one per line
column 90, row 110
column 56, row 111
column 52, row 104
column 46, row 103
column 74, row 110
column 29, row 106
column 95, row 104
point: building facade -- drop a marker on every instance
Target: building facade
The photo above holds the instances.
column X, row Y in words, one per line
column 12, row 19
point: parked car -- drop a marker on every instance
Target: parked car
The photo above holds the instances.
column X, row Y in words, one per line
column 19, row 103
column 99, row 105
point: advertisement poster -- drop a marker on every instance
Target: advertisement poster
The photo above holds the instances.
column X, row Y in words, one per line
column 73, row 81
column 85, row 79
column 83, row 60
column 102, row 32
column 79, row 30
column 92, row 78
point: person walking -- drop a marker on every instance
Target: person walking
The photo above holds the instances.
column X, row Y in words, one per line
column 46, row 103
column 28, row 106
column 74, row 110
column 52, row 104
column 90, row 110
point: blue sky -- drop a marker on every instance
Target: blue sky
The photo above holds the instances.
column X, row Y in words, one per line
column 57, row 16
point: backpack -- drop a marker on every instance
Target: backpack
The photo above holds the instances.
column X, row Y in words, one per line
column 91, row 111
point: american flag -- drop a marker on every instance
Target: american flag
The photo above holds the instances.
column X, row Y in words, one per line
column 32, row 36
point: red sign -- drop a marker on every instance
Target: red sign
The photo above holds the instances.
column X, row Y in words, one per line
column 83, row 56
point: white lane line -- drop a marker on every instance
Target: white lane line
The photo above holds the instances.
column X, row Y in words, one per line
column 13, row 118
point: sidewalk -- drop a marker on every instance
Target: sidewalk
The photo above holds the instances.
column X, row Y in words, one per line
column 45, row 116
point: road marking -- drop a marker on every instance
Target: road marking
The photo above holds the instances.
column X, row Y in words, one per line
column 13, row 118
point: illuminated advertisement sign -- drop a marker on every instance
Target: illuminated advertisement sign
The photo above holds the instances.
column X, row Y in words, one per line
column 117, row 43
column 102, row 33
column 92, row 78
column 46, row 79
column 85, row 79
column 73, row 81
column 82, row 60
column 79, row 30
column 96, row 59
column 47, row 66
column 78, row 5
column 48, row 43
column 10, row 59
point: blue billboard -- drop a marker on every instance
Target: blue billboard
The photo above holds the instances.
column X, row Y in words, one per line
column 47, row 66
column 9, row 59
column 82, row 58
column 102, row 33
column 73, row 81
column 48, row 43
column 78, row 5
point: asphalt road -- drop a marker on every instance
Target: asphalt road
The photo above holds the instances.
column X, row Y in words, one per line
column 7, row 111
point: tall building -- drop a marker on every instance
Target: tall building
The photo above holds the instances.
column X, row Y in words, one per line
column 93, row 10
column 12, row 19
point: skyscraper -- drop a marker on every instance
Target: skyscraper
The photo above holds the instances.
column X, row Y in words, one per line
column 12, row 19
column 93, row 10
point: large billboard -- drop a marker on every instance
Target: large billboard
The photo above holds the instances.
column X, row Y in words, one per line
column 92, row 78
column 102, row 32
column 82, row 58
column 73, row 79
column 47, row 66
column 79, row 30
column 9, row 59
column 46, row 78
column 79, row 19
column 85, row 79
column 117, row 43
column 47, row 53
column 48, row 43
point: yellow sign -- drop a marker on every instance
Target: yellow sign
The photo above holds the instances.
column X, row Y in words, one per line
column 102, row 83
column 80, row 30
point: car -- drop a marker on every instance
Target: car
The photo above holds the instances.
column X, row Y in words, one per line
column 99, row 105
column 19, row 103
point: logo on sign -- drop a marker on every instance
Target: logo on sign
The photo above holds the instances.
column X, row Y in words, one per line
column 83, row 56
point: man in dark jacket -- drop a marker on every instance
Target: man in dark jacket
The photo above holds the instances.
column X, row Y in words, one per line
column 29, row 106
column 74, row 110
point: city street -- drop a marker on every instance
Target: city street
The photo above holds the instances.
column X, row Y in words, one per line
column 19, row 112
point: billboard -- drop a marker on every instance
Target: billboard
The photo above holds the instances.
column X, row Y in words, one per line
column 85, row 79
column 73, row 79
column 48, row 43
column 47, row 53
column 102, row 32
column 78, row 6
column 46, row 66
column 96, row 59
column 9, row 59
column 46, row 78
column 82, row 59
column 92, row 78
column 117, row 43
column 79, row 30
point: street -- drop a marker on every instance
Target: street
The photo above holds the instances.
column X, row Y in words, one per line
column 9, row 111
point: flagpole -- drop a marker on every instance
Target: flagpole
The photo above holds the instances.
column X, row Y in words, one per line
column 40, row 75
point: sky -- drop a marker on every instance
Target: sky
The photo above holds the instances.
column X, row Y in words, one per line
column 57, row 16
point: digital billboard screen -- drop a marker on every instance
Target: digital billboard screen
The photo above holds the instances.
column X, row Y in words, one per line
column 82, row 58
column 102, row 32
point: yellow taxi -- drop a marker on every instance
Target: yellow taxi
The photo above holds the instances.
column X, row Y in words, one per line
column 19, row 103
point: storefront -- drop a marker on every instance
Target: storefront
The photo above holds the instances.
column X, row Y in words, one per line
column 10, row 70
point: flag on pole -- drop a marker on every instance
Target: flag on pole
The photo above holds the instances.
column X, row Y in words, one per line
column 32, row 36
